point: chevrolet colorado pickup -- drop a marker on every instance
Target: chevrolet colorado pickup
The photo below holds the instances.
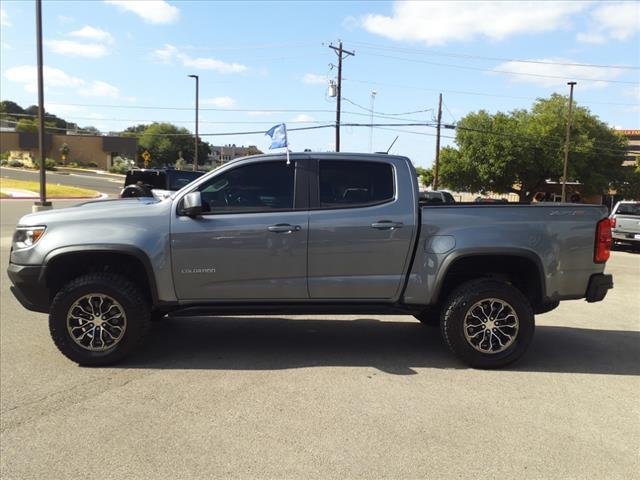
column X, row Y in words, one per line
column 330, row 233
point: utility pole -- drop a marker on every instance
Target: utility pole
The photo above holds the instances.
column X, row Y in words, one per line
column 437, row 163
column 341, row 53
column 566, row 143
column 195, row 156
column 42, row 204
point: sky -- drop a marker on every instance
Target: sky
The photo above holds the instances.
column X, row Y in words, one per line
column 112, row 64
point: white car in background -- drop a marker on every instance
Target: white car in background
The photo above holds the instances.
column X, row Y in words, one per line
column 625, row 222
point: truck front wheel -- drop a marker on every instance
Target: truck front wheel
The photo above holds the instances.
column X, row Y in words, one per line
column 98, row 318
column 487, row 323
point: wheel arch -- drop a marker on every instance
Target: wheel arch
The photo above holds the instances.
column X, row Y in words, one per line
column 523, row 268
column 63, row 264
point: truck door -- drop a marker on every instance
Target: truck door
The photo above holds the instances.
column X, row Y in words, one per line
column 251, row 240
column 361, row 228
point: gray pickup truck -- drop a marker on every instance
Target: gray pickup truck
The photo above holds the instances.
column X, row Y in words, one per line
column 328, row 233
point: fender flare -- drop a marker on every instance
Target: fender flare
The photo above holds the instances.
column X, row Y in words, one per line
column 457, row 255
column 129, row 250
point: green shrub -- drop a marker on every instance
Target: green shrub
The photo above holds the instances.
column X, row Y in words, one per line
column 4, row 156
column 92, row 165
column 3, row 162
column 72, row 164
column 120, row 168
column 16, row 163
column 49, row 164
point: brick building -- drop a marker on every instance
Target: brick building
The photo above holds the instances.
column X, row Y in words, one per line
column 83, row 149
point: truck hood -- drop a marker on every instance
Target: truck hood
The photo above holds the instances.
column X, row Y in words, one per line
column 99, row 209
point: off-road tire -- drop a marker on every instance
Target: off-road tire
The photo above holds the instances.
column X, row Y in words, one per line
column 126, row 293
column 455, row 310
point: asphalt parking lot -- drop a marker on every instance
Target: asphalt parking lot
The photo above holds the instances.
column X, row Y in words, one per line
column 325, row 397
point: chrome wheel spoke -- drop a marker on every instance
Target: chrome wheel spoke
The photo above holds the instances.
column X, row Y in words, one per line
column 96, row 322
column 491, row 325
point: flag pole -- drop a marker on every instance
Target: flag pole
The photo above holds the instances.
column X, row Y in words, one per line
column 286, row 143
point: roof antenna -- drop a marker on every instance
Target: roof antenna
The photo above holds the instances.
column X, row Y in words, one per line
column 394, row 141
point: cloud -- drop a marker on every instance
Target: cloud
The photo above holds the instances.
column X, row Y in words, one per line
column 6, row 46
column 592, row 38
column 169, row 53
column 591, row 77
column 77, row 49
column 99, row 89
column 440, row 22
column 303, row 117
column 222, row 102
column 314, row 79
column 64, row 18
column 53, row 77
column 151, row 11
column 617, row 21
column 4, row 18
column 92, row 33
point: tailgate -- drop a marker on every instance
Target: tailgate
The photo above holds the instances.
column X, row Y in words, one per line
column 627, row 224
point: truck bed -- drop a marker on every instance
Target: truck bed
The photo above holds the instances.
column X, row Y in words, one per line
column 559, row 238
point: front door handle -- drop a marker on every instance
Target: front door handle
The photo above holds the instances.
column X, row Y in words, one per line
column 284, row 228
column 386, row 225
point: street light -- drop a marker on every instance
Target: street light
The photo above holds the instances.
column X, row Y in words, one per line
column 43, row 204
column 373, row 97
column 195, row 157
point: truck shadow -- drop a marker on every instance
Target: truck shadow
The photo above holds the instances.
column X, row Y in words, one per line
column 271, row 343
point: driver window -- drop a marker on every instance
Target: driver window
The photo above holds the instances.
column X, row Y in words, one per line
column 258, row 187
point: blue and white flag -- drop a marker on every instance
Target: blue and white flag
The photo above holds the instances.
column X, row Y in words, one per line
column 278, row 134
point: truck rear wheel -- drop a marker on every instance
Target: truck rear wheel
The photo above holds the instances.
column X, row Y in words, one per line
column 98, row 318
column 487, row 323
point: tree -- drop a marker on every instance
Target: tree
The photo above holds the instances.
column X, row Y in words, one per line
column 517, row 152
column 11, row 108
column 425, row 175
column 628, row 182
column 165, row 141
column 27, row 125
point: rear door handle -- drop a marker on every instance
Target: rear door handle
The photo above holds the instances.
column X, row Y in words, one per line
column 284, row 228
column 386, row 225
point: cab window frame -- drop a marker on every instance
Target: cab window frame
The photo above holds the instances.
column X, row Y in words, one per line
column 315, row 202
column 300, row 188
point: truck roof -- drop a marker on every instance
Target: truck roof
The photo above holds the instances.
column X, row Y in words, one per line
column 320, row 155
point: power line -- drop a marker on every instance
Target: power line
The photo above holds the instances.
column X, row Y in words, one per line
column 386, row 114
column 509, row 72
column 497, row 59
column 464, row 92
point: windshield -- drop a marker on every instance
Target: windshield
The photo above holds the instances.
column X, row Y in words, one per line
column 628, row 209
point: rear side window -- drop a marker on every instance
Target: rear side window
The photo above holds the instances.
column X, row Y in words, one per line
column 354, row 184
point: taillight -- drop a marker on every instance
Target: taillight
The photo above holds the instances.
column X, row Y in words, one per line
column 613, row 222
column 603, row 241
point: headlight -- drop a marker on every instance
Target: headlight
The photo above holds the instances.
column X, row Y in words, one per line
column 26, row 237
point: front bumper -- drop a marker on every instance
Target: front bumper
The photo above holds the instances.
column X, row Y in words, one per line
column 599, row 285
column 28, row 288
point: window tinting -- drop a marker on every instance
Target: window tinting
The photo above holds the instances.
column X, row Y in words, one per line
column 256, row 187
column 181, row 178
column 345, row 183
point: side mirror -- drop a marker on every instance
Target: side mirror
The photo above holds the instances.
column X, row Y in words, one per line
column 192, row 204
